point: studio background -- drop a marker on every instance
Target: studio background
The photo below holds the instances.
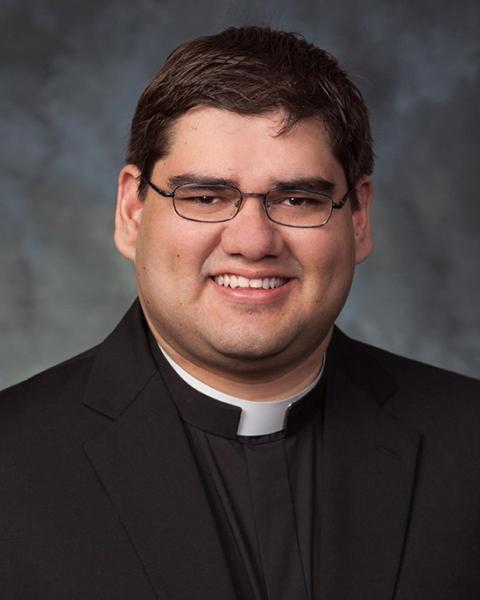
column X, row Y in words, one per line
column 71, row 75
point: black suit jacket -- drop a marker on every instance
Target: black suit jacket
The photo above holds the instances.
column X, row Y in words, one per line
column 100, row 496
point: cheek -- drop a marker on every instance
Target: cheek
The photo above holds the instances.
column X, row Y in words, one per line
column 159, row 246
column 329, row 267
column 170, row 256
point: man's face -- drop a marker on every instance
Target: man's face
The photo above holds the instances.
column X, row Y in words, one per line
column 178, row 262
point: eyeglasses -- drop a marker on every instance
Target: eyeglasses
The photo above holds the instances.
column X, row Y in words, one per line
column 218, row 203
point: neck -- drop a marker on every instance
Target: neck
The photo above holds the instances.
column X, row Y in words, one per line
column 269, row 388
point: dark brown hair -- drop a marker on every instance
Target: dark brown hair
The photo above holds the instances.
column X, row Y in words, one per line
column 253, row 70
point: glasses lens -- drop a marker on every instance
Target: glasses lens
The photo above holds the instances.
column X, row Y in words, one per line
column 206, row 203
column 299, row 208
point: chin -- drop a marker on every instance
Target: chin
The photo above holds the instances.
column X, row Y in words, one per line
column 247, row 354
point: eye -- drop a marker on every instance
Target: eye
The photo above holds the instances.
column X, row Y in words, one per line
column 298, row 199
column 207, row 200
column 203, row 196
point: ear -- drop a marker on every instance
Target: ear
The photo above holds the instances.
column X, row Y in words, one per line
column 361, row 220
column 128, row 214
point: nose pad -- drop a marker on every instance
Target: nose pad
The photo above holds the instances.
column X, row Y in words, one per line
column 254, row 204
column 240, row 204
column 251, row 233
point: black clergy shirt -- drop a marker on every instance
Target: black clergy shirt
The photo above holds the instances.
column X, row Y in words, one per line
column 263, row 489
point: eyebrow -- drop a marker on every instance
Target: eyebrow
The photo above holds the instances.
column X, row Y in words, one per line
column 312, row 184
column 185, row 178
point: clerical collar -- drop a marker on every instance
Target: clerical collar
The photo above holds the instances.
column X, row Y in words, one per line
column 255, row 418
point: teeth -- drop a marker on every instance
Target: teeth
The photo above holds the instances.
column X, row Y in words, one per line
column 237, row 281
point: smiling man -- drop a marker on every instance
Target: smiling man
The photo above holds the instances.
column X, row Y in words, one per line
column 245, row 299
column 226, row 441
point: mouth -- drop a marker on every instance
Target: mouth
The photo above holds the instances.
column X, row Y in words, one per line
column 229, row 280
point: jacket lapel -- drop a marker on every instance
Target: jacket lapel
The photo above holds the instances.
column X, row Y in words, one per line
column 367, row 474
column 368, row 469
column 146, row 466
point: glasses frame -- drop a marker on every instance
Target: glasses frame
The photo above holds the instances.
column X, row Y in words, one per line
column 262, row 196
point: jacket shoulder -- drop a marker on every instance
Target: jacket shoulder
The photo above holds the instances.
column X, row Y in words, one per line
column 414, row 371
column 422, row 391
column 62, row 381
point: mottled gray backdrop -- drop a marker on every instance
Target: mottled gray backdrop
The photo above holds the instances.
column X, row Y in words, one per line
column 71, row 74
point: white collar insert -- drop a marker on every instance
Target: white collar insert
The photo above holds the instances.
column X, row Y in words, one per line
column 257, row 418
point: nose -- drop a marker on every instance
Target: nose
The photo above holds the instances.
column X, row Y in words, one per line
column 251, row 234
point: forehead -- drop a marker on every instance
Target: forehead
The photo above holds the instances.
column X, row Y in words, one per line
column 210, row 140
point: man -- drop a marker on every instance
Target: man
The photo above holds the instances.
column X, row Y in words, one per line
column 226, row 441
